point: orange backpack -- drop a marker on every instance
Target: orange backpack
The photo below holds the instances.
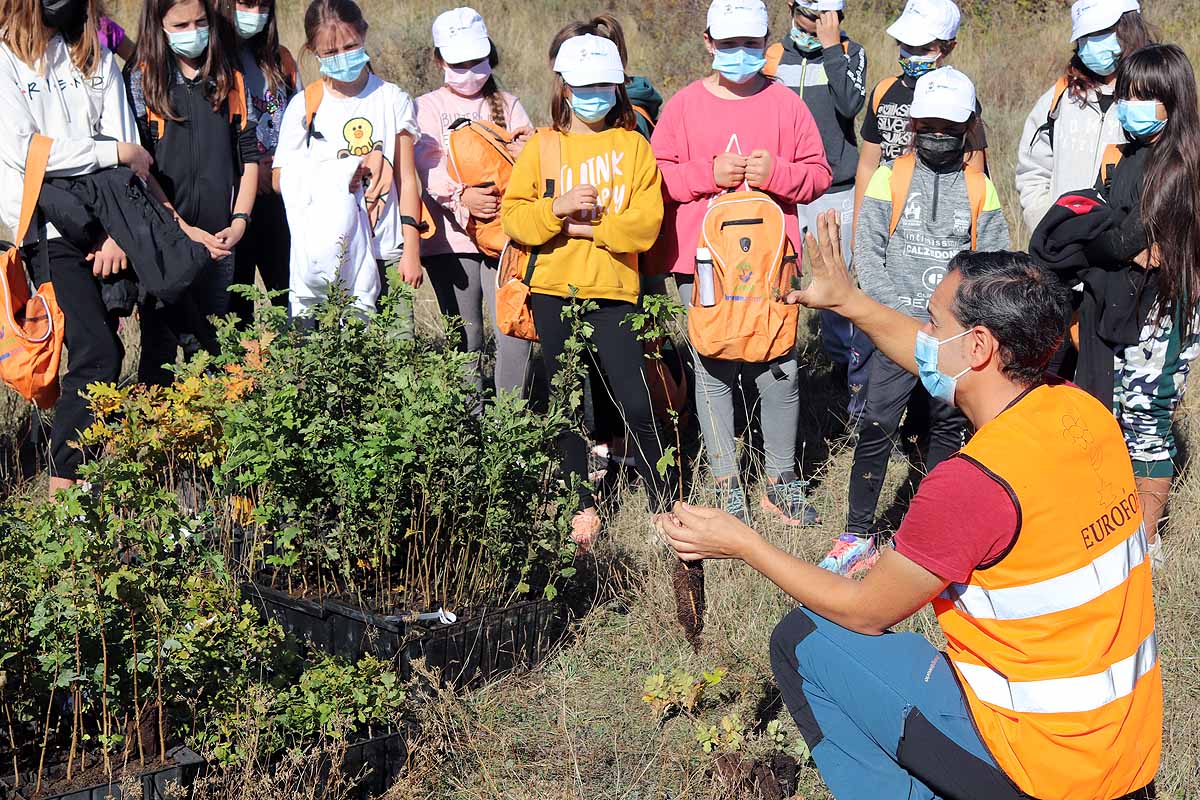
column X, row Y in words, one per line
column 314, row 93
column 235, row 104
column 515, row 273
column 478, row 156
column 31, row 331
column 774, row 55
column 901, row 180
column 753, row 267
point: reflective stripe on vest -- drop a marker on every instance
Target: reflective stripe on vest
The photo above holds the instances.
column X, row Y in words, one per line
column 1074, row 589
column 1063, row 695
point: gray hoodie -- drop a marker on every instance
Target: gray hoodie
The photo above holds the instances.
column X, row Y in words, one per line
column 902, row 270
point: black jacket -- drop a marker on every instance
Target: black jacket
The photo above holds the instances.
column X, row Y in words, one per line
column 113, row 202
column 198, row 160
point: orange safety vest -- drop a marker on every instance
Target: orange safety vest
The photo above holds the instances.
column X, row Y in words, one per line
column 1054, row 642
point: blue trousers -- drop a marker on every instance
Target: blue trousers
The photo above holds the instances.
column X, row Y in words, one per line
column 883, row 716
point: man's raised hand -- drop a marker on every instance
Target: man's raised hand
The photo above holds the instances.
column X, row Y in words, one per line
column 831, row 284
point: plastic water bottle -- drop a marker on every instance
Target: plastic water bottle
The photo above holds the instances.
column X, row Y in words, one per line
column 704, row 277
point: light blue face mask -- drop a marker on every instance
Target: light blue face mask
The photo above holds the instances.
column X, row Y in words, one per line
column 915, row 66
column 936, row 382
column 592, row 103
column 189, row 44
column 1100, row 53
column 250, row 23
column 1140, row 117
column 738, row 64
column 345, row 67
column 805, row 40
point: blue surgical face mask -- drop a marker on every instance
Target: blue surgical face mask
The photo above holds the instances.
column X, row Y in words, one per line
column 915, row 66
column 189, row 44
column 592, row 103
column 250, row 23
column 1140, row 117
column 738, row 64
column 805, row 40
column 345, row 67
column 1100, row 53
column 936, row 382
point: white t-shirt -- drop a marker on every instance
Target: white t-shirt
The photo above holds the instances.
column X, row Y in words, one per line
column 364, row 125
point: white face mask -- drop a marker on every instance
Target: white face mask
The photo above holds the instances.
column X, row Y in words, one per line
column 467, row 81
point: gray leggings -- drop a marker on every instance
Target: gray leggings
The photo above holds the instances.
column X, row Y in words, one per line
column 779, row 396
column 464, row 284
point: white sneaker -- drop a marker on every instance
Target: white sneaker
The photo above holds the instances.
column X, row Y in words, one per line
column 1158, row 559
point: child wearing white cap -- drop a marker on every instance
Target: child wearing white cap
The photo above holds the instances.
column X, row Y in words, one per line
column 927, row 32
column 829, row 71
column 590, row 219
column 731, row 128
column 918, row 213
column 1073, row 123
column 463, row 279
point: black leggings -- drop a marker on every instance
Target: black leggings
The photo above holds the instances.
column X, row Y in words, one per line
column 618, row 355
column 94, row 351
column 267, row 246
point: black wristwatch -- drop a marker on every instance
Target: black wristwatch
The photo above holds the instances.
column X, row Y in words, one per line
column 243, row 217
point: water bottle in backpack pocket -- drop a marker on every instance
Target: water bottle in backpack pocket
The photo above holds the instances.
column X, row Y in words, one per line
column 753, row 264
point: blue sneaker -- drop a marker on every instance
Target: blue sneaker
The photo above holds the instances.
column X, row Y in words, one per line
column 733, row 498
column 851, row 554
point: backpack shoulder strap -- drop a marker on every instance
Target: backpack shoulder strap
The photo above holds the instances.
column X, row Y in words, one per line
column 35, row 174
column 236, row 102
column 977, row 192
column 1060, row 89
column 881, row 89
column 290, row 70
column 901, row 179
column 1112, row 155
column 774, row 56
column 644, row 114
column 313, row 94
column 846, row 46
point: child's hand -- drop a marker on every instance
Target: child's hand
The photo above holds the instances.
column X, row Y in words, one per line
column 729, row 170
column 583, row 198
column 230, row 237
column 356, row 180
column 214, row 246
column 482, row 201
column 410, row 270
column 519, row 137
column 829, row 29
column 136, row 157
column 108, row 259
column 580, row 230
column 758, row 168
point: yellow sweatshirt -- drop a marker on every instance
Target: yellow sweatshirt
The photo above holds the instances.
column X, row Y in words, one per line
column 620, row 165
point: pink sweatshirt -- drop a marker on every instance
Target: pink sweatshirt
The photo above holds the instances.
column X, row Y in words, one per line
column 435, row 112
column 696, row 126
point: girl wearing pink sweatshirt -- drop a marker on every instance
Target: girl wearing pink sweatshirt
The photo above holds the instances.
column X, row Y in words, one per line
column 463, row 278
column 729, row 129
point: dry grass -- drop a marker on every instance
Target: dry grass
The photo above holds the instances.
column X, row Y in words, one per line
column 577, row 726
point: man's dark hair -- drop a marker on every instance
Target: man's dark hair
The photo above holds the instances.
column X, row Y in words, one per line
column 1024, row 306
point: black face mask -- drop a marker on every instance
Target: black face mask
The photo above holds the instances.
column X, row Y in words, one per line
column 68, row 17
column 941, row 152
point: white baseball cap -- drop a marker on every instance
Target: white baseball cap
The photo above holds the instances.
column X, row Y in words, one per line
column 728, row 19
column 822, row 5
column 923, row 21
column 1089, row 16
column 587, row 59
column 460, row 36
column 944, row 93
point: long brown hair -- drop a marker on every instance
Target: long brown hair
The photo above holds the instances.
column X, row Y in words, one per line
column 324, row 12
column 490, row 90
column 1171, row 210
column 26, row 35
column 157, row 61
column 1133, row 32
column 265, row 48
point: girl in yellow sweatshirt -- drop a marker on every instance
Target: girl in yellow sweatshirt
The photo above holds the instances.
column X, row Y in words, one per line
column 607, row 207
